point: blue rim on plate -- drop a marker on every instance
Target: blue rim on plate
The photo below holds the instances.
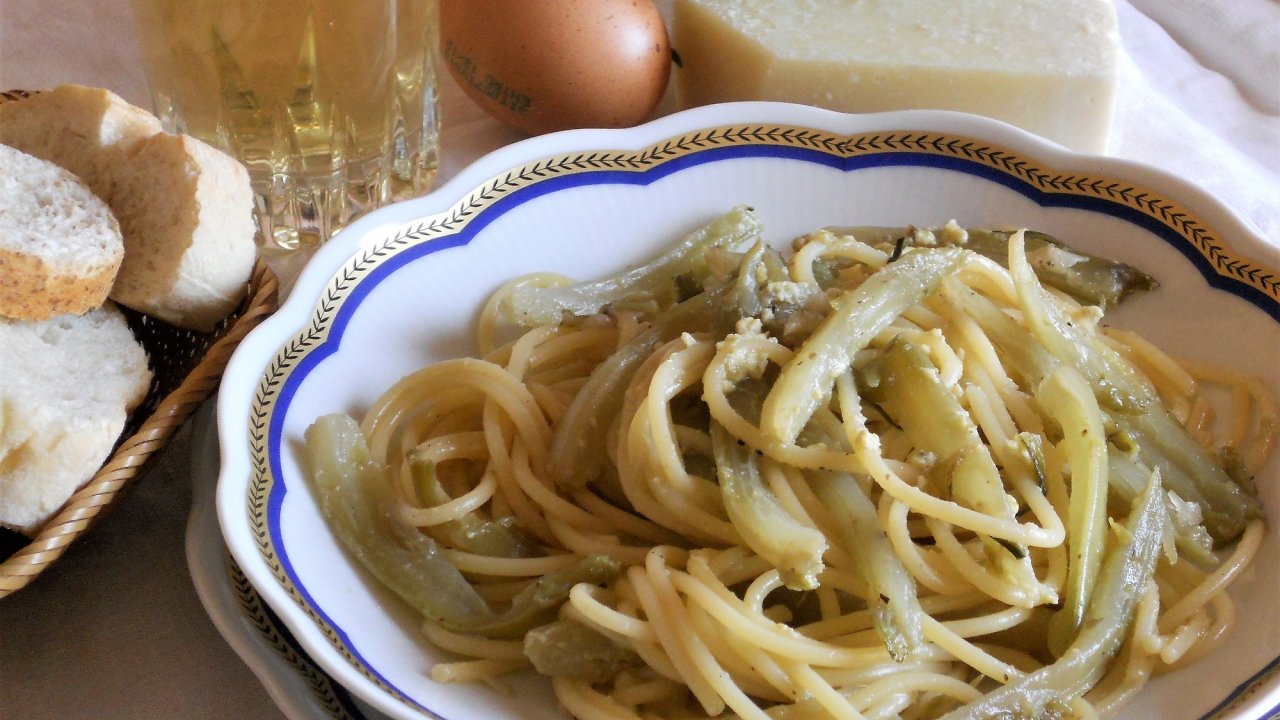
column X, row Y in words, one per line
column 1221, row 265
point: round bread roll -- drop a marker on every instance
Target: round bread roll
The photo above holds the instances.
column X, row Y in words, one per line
column 60, row 246
column 70, row 382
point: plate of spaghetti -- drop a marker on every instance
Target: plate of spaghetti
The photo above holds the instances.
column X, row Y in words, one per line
column 762, row 411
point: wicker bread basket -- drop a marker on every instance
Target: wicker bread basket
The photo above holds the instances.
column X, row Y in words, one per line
column 186, row 367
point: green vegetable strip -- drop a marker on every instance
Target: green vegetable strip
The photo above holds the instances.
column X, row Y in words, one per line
column 1116, row 383
column 1165, row 444
column 1090, row 279
column 494, row 538
column 914, row 395
column 1127, row 478
column 539, row 603
column 1067, row 398
column 775, row 268
column 895, row 609
column 1125, row 573
column 1162, row 441
column 653, row 281
column 1087, row 278
column 570, row 649
column 746, row 287
column 858, row 316
column 794, row 549
column 1018, row 348
column 354, row 496
column 577, row 454
column 1185, row 467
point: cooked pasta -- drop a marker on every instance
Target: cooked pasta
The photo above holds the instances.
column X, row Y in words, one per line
column 888, row 477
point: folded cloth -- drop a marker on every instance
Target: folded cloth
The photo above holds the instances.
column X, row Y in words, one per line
column 1192, row 100
column 1239, row 39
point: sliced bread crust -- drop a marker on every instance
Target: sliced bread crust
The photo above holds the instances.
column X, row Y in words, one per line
column 187, row 217
column 185, row 209
column 88, row 131
column 74, row 379
column 60, row 246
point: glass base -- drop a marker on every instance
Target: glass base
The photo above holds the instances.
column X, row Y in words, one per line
column 295, row 211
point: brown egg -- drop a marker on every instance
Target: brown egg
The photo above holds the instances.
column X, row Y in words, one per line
column 544, row 65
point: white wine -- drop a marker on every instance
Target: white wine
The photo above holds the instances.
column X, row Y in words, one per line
column 331, row 104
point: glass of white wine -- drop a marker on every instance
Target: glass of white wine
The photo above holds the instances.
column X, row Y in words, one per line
column 330, row 104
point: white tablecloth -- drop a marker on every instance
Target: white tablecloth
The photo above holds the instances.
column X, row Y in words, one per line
column 115, row 630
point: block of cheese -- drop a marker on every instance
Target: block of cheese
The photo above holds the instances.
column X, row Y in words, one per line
column 1047, row 66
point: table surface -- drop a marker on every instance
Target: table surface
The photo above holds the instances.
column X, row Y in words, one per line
column 115, row 630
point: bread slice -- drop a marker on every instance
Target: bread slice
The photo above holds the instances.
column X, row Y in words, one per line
column 187, row 216
column 185, row 209
column 60, row 246
column 70, row 382
column 88, row 131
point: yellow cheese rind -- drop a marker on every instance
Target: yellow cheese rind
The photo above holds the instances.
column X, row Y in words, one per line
column 1048, row 66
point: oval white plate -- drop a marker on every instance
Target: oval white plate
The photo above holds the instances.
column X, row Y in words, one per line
column 401, row 287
